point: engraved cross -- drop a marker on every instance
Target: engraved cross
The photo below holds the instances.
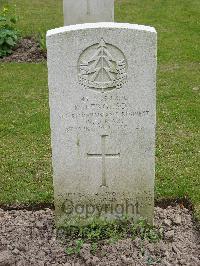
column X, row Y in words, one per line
column 103, row 155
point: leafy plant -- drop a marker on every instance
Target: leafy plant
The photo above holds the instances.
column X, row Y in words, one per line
column 79, row 245
column 145, row 231
column 110, row 231
column 76, row 249
column 94, row 247
column 152, row 261
column 42, row 41
column 69, row 250
column 100, row 229
column 8, row 32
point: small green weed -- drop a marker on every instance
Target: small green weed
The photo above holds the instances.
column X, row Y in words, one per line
column 8, row 32
column 152, row 261
column 94, row 247
column 76, row 248
column 145, row 231
column 41, row 38
column 69, row 251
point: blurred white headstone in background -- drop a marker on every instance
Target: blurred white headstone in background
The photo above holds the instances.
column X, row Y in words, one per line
column 85, row 11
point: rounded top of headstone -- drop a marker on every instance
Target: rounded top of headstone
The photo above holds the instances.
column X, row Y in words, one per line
column 106, row 25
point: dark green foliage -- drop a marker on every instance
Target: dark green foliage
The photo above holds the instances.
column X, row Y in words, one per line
column 101, row 229
column 109, row 231
column 8, row 32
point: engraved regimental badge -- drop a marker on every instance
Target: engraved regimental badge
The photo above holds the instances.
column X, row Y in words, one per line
column 102, row 67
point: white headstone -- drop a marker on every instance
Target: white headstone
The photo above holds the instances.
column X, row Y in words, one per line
column 83, row 11
column 102, row 86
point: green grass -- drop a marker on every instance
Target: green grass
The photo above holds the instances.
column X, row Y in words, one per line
column 176, row 21
column 25, row 142
column 26, row 174
column 178, row 140
column 37, row 15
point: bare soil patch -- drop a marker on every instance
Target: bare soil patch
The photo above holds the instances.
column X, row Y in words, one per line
column 29, row 238
column 27, row 50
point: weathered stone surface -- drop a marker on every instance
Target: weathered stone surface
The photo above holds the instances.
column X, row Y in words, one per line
column 83, row 11
column 102, row 89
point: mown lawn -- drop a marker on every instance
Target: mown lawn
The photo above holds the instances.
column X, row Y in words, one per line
column 36, row 16
column 26, row 165
column 26, row 174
